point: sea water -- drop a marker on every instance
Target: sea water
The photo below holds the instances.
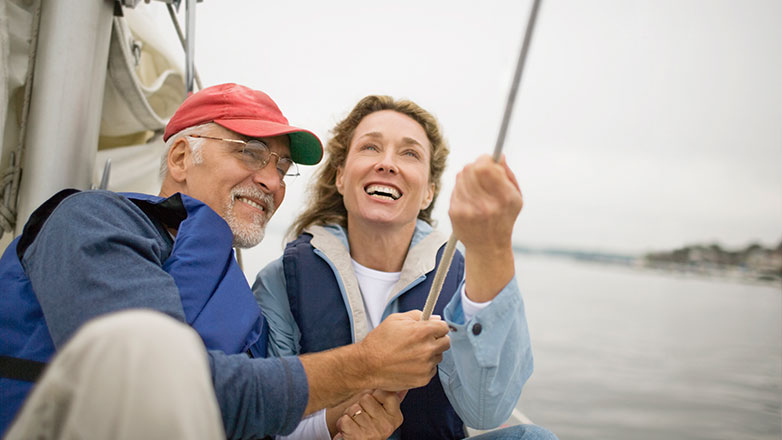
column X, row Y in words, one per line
column 624, row 353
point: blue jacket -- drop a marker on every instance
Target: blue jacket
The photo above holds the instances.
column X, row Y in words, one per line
column 319, row 310
column 490, row 357
column 211, row 286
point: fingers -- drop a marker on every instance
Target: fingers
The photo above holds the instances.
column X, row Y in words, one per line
column 485, row 173
column 346, row 424
column 490, row 179
column 415, row 315
column 375, row 415
column 439, row 329
column 369, row 405
column 402, row 351
column 435, row 326
column 441, row 345
column 355, row 411
column 509, row 173
column 390, row 400
column 485, row 203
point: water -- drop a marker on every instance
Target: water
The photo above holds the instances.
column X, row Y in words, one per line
column 629, row 354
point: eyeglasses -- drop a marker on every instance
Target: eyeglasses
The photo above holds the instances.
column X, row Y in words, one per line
column 256, row 155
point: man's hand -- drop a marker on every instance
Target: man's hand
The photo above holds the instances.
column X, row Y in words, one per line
column 485, row 203
column 403, row 352
column 374, row 416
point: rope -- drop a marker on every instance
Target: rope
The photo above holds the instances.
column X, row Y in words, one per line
column 450, row 246
column 11, row 188
column 174, row 20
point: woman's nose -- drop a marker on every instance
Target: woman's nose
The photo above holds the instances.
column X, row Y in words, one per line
column 387, row 163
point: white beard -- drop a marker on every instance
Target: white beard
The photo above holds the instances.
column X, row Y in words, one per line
column 247, row 235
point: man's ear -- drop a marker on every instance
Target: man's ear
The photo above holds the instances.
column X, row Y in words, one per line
column 339, row 182
column 177, row 159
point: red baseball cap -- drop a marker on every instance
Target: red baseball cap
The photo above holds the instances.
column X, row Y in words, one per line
column 247, row 112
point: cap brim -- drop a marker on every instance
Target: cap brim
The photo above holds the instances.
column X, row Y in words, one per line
column 306, row 148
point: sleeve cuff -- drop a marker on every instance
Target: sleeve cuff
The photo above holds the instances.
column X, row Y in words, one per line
column 470, row 307
column 491, row 323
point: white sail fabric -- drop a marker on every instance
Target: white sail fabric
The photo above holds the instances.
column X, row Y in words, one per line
column 16, row 19
column 144, row 86
column 145, row 81
column 135, row 168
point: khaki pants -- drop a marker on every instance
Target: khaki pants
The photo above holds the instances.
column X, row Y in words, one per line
column 129, row 375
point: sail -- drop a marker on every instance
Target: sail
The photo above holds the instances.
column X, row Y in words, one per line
column 144, row 84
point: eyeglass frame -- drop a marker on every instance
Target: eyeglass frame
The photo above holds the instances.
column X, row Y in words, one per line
column 271, row 153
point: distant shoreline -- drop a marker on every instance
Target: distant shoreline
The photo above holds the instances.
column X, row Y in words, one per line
column 754, row 265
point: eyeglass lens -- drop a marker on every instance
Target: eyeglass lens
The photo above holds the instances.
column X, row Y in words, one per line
column 257, row 155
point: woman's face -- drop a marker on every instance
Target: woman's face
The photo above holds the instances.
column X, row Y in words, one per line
column 385, row 179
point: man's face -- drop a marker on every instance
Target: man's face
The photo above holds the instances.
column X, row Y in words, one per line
column 244, row 197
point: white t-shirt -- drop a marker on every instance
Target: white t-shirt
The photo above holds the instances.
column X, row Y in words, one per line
column 376, row 287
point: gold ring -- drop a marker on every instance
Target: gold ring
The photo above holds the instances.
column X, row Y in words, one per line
column 356, row 413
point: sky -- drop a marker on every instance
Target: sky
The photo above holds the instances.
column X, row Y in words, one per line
column 638, row 126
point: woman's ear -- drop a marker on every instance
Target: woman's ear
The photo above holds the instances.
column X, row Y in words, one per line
column 428, row 198
column 339, row 182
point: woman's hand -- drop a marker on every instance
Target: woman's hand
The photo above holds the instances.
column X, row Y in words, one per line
column 485, row 203
column 374, row 416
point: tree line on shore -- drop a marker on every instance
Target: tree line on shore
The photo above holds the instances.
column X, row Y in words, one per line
column 754, row 258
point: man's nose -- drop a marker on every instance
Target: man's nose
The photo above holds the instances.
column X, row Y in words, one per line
column 267, row 177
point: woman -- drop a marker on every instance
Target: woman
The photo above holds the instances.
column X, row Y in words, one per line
column 365, row 248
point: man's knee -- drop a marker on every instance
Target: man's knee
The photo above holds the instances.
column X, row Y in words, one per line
column 135, row 338
column 142, row 324
column 138, row 371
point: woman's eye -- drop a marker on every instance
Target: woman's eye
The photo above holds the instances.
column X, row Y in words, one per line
column 370, row 147
column 411, row 153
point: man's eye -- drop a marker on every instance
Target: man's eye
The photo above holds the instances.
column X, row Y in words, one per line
column 283, row 165
column 253, row 154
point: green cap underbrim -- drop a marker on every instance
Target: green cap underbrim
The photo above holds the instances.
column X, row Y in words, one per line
column 305, row 148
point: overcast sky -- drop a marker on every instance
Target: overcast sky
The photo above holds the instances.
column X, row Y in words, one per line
column 639, row 125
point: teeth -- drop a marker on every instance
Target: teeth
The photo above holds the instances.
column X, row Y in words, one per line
column 251, row 203
column 385, row 190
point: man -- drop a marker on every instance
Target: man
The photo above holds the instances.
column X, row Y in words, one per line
column 86, row 262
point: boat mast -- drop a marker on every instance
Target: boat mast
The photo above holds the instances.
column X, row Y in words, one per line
column 66, row 100
column 190, row 10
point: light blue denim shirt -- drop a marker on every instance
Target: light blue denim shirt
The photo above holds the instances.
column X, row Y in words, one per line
column 490, row 357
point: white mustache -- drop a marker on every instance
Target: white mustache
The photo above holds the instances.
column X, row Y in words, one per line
column 255, row 193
